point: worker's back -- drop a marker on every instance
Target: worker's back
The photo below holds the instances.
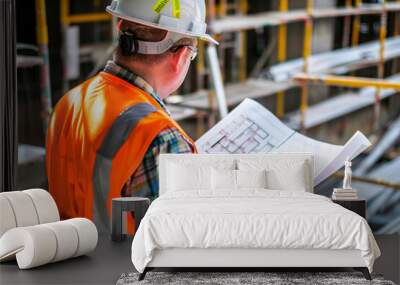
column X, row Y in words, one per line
column 97, row 138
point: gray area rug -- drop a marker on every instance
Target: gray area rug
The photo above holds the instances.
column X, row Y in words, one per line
column 273, row 278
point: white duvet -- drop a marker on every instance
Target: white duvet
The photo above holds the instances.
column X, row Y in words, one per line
column 250, row 219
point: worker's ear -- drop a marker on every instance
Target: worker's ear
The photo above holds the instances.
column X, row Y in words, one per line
column 179, row 58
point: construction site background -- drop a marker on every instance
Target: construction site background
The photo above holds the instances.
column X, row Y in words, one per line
column 265, row 46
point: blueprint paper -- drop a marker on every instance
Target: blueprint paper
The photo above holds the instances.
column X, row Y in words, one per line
column 251, row 128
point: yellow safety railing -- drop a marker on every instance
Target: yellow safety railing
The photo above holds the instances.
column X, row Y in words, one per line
column 396, row 32
column 88, row 18
column 307, row 49
column 42, row 31
column 42, row 36
column 344, row 81
column 200, row 64
column 355, row 39
column 282, row 46
column 69, row 19
column 243, row 7
column 222, row 9
column 381, row 65
column 347, row 81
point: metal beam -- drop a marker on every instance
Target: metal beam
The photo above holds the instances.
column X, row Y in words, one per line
column 380, row 182
column 339, row 106
column 346, row 81
column 391, row 137
column 337, row 62
column 217, row 80
column 390, row 228
column 381, row 65
column 307, row 50
column 43, row 41
column 234, row 23
column 282, row 46
column 88, row 18
column 377, row 196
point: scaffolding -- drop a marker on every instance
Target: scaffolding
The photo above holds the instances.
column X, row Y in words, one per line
column 221, row 24
column 347, row 81
column 31, row 157
column 67, row 20
column 230, row 22
column 43, row 41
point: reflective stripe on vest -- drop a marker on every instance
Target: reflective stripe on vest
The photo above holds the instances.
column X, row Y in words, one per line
column 114, row 139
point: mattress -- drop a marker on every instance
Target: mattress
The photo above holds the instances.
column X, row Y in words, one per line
column 250, row 219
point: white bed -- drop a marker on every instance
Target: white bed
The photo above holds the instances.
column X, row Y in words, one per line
column 248, row 227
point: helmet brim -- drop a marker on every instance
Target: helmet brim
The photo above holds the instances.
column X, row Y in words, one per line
column 204, row 37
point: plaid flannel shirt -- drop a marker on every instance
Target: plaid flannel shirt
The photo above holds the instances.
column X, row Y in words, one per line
column 144, row 182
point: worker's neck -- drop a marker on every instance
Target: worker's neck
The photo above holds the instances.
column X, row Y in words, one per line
column 150, row 75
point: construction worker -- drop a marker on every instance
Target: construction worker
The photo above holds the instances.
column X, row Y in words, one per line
column 105, row 135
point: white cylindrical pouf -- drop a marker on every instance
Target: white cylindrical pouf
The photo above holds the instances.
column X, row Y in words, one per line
column 33, row 246
column 67, row 239
column 23, row 208
column 87, row 233
column 7, row 218
column 45, row 205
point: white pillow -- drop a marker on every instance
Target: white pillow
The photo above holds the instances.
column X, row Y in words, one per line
column 251, row 178
column 293, row 180
column 282, row 174
column 183, row 177
column 227, row 179
column 223, row 179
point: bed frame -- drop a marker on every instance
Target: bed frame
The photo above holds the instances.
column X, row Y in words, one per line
column 242, row 259
column 245, row 259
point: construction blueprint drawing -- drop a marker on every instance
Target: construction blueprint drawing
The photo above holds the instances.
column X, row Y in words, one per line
column 251, row 128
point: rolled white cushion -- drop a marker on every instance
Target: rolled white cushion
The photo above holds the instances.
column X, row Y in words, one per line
column 7, row 218
column 67, row 240
column 23, row 208
column 33, row 246
column 26, row 208
column 37, row 245
column 45, row 205
column 87, row 235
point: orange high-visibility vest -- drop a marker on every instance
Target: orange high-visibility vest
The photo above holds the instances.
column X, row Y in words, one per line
column 97, row 138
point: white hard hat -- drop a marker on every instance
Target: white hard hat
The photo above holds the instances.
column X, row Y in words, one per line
column 186, row 17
